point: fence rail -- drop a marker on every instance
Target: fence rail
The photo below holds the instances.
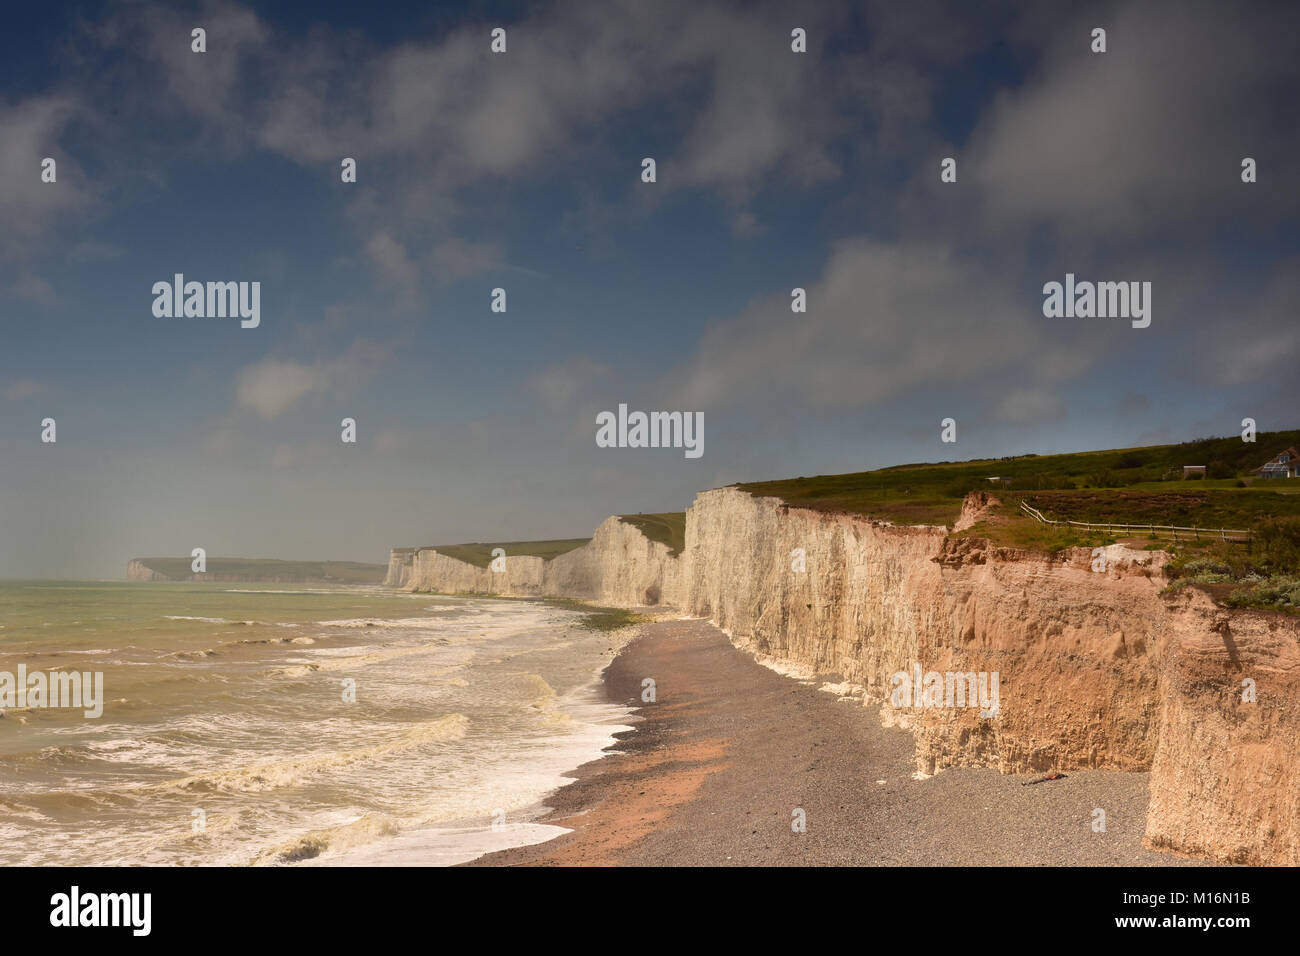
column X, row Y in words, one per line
column 1166, row 530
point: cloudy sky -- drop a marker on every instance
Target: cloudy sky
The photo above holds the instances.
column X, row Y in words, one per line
column 522, row 171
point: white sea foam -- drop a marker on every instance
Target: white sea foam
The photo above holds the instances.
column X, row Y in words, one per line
column 457, row 715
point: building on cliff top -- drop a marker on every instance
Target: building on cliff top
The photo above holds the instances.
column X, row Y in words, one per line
column 1282, row 465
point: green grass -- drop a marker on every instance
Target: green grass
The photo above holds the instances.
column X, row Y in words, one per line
column 479, row 554
column 668, row 528
column 338, row 572
column 1212, row 508
column 600, row 618
column 1065, row 485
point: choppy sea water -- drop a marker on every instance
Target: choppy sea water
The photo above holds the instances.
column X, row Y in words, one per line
column 226, row 738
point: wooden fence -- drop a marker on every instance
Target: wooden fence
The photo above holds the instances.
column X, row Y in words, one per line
column 1159, row 530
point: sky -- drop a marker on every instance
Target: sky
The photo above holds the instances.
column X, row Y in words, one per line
column 522, row 170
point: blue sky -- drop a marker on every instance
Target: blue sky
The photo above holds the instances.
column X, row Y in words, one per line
column 522, row 171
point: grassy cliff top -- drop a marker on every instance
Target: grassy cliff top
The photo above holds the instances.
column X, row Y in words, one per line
column 1122, row 484
column 479, row 553
column 252, row 569
column 667, row 528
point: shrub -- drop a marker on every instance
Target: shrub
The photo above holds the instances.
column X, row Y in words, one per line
column 1041, row 483
column 1276, row 545
column 1105, row 479
column 1281, row 592
column 959, row 488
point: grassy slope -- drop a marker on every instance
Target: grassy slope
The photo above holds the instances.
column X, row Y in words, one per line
column 342, row 572
column 1066, row 486
column 668, row 528
column 479, row 554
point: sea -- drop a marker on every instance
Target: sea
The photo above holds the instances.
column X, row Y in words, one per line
column 256, row 725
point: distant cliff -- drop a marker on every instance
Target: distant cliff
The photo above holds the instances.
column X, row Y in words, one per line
column 619, row 565
column 255, row 570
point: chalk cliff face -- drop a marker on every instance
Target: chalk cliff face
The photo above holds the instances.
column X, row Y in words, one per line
column 400, row 563
column 619, row 566
column 1095, row 669
column 876, row 600
column 137, row 571
column 432, row 571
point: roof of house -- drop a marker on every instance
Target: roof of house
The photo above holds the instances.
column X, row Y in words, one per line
column 1277, row 462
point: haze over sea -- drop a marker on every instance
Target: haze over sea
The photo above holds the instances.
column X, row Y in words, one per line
column 226, row 739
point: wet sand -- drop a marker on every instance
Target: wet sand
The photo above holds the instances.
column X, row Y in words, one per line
column 717, row 765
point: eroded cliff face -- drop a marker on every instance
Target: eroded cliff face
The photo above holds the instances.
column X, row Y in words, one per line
column 1225, row 782
column 433, row 571
column 400, row 563
column 1095, row 668
column 619, row 566
column 875, row 600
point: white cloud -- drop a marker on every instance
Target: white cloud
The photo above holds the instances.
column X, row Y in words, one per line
column 30, row 208
column 270, row 387
column 1023, row 406
column 454, row 259
column 23, row 388
column 883, row 319
column 390, row 258
column 33, row 288
column 559, row 384
column 1262, row 341
column 1148, row 134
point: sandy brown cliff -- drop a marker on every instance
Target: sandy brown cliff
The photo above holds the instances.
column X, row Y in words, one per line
column 1096, row 669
